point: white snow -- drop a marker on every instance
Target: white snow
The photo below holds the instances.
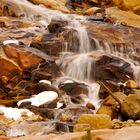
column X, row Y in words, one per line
column 14, row 113
column 41, row 98
column 6, row 42
column 59, row 105
column 45, row 81
column 68, row 81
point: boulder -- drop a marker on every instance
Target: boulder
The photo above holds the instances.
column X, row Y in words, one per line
column 131, row 84
column 111, row 68
column 74, row 90
column 131, row 106
column 108, row 110
column 110, row 101
column 129, row 5
column 96, row 121
column 110, row 106
column 22, row 56
column 14, row 59
column 22, row 68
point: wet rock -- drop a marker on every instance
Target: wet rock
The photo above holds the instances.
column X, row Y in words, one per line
column 131, row 106
column 48, row 113
column 74, row 90
column 112, row 68
column 96, row 121
column 47, row 71
column 103, row 67
column 90, row 106
column 103, row 93
column 50, row 105
column 51, row 46
column 40, row 87
column 71, row 38
column 56, row 26
column 54, row 44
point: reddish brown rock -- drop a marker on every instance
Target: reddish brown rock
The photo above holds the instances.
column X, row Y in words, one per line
column 22, row 57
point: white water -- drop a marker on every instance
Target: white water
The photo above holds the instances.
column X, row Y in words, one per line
column 76, row 66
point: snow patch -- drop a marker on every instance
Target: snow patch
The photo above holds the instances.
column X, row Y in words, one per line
column 45, row 81
column 6, row 42
column 68, row 81
column 14, row 113
column 59, row 105
column 41, row 98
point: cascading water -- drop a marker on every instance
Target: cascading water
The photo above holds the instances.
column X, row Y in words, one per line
column 41, row 17
column 75, row 66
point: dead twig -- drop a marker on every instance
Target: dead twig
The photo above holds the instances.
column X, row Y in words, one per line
column 111, row 93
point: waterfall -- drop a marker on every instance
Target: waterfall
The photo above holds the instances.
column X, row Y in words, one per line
column 77, row 65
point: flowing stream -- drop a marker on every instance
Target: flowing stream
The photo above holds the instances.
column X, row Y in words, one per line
column 76, row 66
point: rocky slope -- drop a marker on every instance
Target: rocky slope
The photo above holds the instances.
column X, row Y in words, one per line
column 67, row 73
